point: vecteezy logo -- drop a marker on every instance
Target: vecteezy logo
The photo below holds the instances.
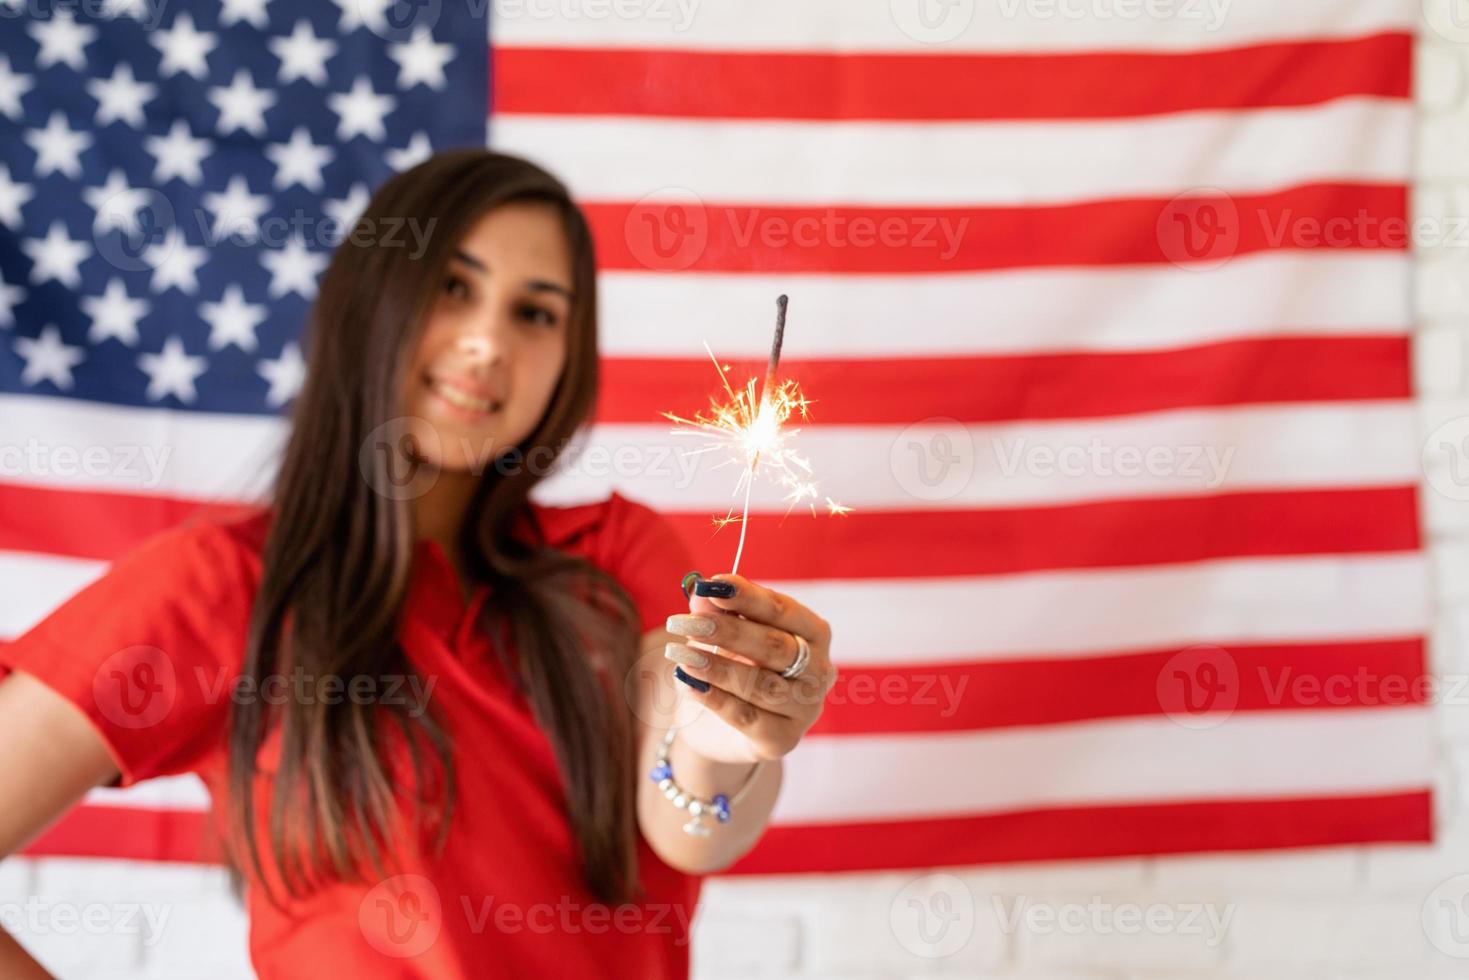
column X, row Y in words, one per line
column 1199, row 229
column 1446, row 917
column 402, row 916
column 1198, row 687
column 932, row 21
column 136, row 687
column 1446, row 458
column 668, row 230
column 933, row 916
column 135, row 230
column 405, row 447
column 933, row 459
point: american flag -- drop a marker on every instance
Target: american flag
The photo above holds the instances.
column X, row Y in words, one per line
column 1104, row 319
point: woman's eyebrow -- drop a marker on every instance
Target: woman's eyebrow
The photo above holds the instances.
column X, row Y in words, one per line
column 534, row 285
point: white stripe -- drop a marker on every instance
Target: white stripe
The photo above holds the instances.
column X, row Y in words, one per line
column 1045, row 615
column 1180, row 452
column 973, row 165
column 163, row 793
column 1032, row 26
column 1124, row 308
column 1106, row 610
column 1250, row 755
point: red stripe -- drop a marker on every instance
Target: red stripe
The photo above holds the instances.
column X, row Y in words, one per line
column 908, row 544
column 129, row 834
column 1088, row 832
column 913, row 544
column 710, row 236
column 799, row 85
column 900, row 390
column 974, row 696
column 91, row 524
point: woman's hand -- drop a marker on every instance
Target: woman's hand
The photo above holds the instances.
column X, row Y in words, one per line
column 753, row 713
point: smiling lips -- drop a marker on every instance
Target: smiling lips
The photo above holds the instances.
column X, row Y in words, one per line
column 470, row 397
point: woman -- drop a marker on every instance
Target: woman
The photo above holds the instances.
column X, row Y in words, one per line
column 430, row 712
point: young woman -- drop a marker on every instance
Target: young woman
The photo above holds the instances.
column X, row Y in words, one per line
column 429, row 711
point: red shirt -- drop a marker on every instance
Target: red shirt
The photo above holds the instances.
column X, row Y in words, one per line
column 148, row 652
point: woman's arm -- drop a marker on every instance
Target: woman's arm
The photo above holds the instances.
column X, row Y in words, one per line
column 661, row 821
column 50, row 755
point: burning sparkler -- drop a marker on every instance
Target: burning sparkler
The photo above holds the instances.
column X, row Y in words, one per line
column 749, row 427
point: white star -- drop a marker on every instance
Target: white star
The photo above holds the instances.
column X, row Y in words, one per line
column 371, row 14
column 62, row 39
column 233, row 321
column 345, row 212
column 117, row 205
column 114, row 314
column 361, row 111
column 184, row 49
column 56, row 256
column 175, row 263
column 418, row 150
column 303, row 55
column 10, row 298
column 113, row 9
column 421, row 60
column 251, row 12
column 299, row 161
column 12, row 88
column 58, row 147
column 179, row 154
column 13, row 196
column 285, row 374
column 237, row 212
column 121, row 97
column 172, row 372
column 293, row 269
column 48, row 359
column 242, row 105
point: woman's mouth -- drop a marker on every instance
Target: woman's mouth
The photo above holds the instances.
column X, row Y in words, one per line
column 467, row 405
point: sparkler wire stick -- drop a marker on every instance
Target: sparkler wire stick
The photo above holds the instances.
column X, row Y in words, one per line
column 780, row 335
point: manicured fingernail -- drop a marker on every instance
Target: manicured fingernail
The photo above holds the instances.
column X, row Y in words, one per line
column 690, row 680
column 715, row 590
column 687, row 584
column 681, row 654
column 686, row 625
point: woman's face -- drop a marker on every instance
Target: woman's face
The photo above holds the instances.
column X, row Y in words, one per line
column 495, row 340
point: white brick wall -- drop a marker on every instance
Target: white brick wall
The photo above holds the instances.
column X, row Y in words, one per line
column 1352, row 912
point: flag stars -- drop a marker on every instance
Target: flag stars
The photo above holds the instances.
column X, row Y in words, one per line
column 242, row 105
column 360, row 112
column 421, row 60
column 303, row 55
column 345, row 212
column 121, row 97
column 285, row 374
column 58, row 147
column 237, row 212
column 172, row 371
column 62, row 41
column 185, row 49
column 48, row 358
column 13, row 197
column 418, row 150
column 299, row 162
column 116, row 204
column 371, row 14
column 179, row 154
column 175, row 263
column 12, row 88
column 233, row 321
column 293, row 269
column 250, row 12
column 114, row 314
column 56, row 257
column 10, row 298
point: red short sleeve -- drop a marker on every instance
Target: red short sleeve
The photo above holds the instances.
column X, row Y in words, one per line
column 150, row 650
column 642, row 550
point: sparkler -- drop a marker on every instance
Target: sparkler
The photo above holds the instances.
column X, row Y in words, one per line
column 749, row 428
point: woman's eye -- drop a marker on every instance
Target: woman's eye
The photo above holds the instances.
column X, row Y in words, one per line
column 539, row 314
column 456, row 287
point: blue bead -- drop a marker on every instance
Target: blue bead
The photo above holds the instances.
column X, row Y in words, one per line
column 721, row 807
column 660, row 773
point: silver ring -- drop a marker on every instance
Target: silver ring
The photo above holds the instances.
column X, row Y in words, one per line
column 803, row 657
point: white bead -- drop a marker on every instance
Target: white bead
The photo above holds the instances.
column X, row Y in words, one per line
column 681, row 800
column 664, row 783
column 696, row 807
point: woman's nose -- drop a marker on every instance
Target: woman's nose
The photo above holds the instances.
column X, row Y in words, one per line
column 483, row 340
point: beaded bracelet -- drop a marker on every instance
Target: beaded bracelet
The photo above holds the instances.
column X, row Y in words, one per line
column 699, row 809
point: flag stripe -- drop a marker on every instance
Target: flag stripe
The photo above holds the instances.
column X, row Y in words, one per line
column 1060, row 833
column 997, row 388
column 854, row 85
column 668, row 236
column 1361, row 139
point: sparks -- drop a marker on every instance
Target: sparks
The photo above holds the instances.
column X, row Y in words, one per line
column 748, row 428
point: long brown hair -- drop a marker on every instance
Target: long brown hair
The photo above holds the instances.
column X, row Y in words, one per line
column 337, row 566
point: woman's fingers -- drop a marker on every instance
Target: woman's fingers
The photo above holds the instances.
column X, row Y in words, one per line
column 745, row 704
column 765, row 605
column 761, row 688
